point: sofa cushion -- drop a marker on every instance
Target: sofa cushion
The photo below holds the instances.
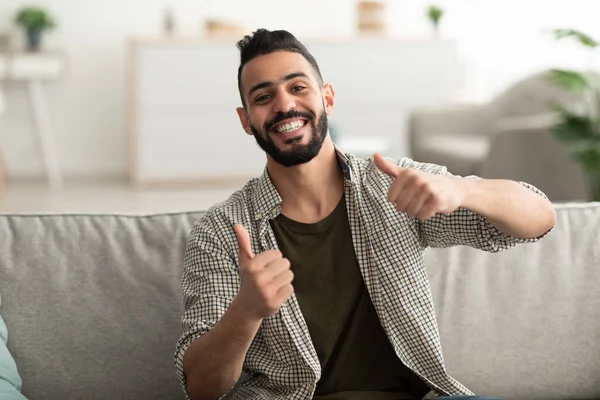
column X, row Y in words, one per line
column 10, row 381
column 94, row 303
column 524, row 323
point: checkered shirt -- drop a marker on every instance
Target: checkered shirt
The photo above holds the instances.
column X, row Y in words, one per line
column 281, row 362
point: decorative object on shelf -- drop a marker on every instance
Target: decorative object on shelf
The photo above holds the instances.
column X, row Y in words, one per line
column 35, row 21
column 371, row 17
column 435, row 14
column 578, row 125
column 216, row 28
column 168, row 21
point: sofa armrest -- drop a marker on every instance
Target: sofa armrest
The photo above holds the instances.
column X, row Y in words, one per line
column 519, row 144
column 463, row 120
column 524, row 149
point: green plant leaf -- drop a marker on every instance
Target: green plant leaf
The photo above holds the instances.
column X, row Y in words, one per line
column 579, row 36
column 435, row 14
column 570, row 80
column 589, row 159
column 574, row 128
column 34, row 18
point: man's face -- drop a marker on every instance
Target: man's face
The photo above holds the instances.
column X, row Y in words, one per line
column 286, row 107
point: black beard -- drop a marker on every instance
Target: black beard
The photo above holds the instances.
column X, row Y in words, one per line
column 300, row 154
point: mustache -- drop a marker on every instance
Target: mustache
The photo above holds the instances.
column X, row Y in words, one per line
column 281, row 116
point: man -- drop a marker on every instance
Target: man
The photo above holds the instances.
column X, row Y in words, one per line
column 310, row 279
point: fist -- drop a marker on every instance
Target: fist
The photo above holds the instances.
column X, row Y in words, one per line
column 266, row 279
column 420, row 194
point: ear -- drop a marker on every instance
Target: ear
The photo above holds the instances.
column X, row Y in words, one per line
column 244, row 119
column 329, row 96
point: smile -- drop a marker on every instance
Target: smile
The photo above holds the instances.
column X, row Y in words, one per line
column 290, row 126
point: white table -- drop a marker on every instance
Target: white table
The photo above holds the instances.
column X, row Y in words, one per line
column 34, row 69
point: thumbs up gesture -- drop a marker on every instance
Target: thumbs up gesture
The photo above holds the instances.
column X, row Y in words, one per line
column 420, row 194
column 266, row 279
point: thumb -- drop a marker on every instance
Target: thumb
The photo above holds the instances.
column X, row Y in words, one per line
column 243, row 238
column 385, row 166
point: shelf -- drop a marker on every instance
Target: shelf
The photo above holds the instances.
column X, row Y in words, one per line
column 31, row 66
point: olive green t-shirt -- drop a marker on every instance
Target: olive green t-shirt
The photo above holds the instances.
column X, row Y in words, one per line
column 357, row 360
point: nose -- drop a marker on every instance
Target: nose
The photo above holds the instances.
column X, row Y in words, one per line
column 284, row 102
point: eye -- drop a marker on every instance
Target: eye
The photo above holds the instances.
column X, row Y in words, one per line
column 263, row 98
column 298, row 88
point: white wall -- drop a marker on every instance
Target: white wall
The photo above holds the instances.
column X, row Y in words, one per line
column 500, row 41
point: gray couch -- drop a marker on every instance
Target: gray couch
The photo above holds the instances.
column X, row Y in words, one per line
column 93, row 303
column 508, row 137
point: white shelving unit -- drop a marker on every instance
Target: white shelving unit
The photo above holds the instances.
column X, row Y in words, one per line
column 183, row 95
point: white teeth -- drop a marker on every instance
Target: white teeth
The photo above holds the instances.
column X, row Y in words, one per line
column 290, row 127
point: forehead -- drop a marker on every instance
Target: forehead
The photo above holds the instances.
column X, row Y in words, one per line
column 273, row 67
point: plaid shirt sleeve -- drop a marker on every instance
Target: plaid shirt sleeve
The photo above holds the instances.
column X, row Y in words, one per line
column 210, row 282
column 463, row 226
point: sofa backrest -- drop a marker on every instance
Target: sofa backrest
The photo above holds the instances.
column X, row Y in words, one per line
column 532, row 95
column 93, row 303
column 525, row 323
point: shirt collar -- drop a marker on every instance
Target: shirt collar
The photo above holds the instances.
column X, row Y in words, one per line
column 267, row 201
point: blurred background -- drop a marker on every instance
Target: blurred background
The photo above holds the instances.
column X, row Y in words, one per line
column 129, row 106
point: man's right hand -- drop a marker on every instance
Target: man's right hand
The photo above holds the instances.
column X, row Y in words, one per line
column 266, row 279
column 213, row 363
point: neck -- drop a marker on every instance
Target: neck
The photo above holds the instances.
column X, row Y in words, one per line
column 310, row 191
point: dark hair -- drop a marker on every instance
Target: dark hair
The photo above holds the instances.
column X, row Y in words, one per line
column 263, row 41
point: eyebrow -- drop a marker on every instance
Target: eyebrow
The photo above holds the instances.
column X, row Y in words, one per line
column 286, row 78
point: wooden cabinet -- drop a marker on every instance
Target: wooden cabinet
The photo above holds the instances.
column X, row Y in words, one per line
column 183, row 96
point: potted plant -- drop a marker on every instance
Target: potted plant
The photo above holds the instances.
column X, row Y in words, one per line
column 578, row 126
column 35, row 21
column 435, row 14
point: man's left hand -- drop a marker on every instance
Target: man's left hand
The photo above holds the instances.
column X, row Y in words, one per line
column 421, row 194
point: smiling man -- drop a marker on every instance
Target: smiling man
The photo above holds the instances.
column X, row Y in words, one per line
column 309, row 282
column 293, row 135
